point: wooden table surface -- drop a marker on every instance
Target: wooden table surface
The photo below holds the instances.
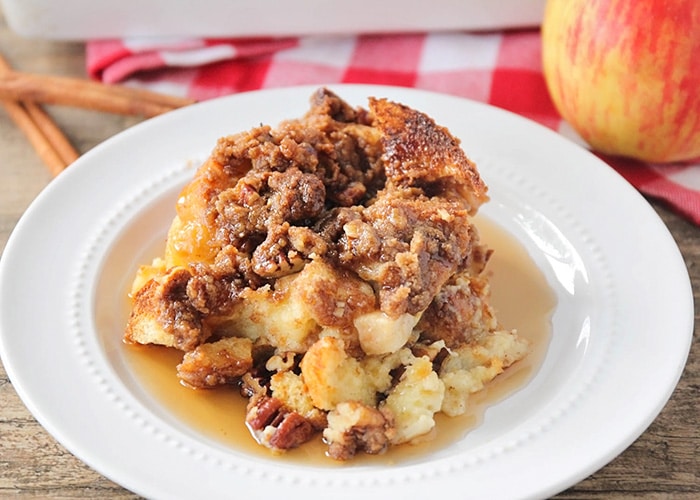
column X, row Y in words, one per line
column 662, row 463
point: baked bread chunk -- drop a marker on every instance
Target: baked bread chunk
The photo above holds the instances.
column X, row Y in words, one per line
column 330, row 270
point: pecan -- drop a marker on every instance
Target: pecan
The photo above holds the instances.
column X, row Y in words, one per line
column 263, row 412
column 251, row 387
column 294, row 430
column 275, row 426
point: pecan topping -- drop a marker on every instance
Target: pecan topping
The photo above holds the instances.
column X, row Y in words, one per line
column 276, row 427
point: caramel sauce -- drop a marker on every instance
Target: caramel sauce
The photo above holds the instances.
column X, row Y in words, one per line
column 522, row 300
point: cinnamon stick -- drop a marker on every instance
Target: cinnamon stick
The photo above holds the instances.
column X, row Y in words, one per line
column 18, row 113
column 53, row 134
column 87, row 94
column 46, row 138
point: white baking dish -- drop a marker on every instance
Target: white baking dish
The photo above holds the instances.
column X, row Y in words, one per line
column 90, row 19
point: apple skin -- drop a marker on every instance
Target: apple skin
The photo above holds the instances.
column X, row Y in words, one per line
column 625, row 74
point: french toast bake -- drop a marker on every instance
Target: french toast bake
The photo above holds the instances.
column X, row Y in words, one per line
column 329, row 270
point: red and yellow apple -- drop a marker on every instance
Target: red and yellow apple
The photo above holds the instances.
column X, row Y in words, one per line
column 625, row 74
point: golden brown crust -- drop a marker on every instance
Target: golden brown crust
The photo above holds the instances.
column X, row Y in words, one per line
column 216, row 363
column 418, row 152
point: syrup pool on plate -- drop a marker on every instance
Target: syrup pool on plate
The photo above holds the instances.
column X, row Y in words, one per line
column 520, row 295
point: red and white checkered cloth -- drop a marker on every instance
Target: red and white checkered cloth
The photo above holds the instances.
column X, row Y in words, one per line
column 499, row 68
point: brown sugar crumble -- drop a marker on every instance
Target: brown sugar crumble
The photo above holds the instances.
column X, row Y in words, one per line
column 329, row 270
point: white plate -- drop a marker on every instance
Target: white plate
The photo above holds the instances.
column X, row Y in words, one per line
column 621, row 329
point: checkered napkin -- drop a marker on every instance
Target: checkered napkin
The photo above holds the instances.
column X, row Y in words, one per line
column 499, row 68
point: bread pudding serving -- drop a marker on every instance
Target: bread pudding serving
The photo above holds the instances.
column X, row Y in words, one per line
column 328, row 269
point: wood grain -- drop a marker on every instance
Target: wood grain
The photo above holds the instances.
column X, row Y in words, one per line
column 664, row 463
